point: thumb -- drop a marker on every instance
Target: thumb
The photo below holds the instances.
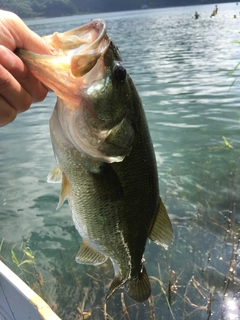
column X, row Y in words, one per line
column 14, row 33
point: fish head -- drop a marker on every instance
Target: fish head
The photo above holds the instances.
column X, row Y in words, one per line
column 95, row 103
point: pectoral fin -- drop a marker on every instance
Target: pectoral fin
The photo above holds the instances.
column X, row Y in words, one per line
column 89, row 255
column 139, row 289
column 65, row 191
column 162, row 232
column 109, row 185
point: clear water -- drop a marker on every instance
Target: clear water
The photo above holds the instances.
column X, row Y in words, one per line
column 181, row 68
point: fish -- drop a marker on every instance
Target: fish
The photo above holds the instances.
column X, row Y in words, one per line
column 104, row 153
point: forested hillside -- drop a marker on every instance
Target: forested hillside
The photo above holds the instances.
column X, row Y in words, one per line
column 54, row 8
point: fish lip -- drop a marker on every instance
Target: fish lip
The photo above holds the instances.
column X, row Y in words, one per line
column 68, row 67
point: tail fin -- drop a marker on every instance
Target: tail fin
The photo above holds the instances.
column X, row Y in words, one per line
column 139, row 289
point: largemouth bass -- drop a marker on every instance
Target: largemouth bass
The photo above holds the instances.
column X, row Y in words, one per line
column 105, row 158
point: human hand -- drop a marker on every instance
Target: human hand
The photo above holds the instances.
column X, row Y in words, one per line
column 18, row 87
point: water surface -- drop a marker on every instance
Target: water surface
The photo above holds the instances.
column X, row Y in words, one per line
column 181, row 68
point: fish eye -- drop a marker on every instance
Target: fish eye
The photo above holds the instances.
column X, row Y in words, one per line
column 119, row 72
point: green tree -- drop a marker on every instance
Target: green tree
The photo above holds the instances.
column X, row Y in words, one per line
column 54, row 8
column 22, row 8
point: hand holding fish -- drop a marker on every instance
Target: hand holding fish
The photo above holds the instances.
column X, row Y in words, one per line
column 18, row 87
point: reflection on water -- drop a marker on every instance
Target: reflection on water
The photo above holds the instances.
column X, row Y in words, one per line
column 180, row 67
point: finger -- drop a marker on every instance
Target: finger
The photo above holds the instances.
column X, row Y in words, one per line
column 35, row 43
column 22, row 74
column 7, row 112
column 14, row 33
column 12, row 91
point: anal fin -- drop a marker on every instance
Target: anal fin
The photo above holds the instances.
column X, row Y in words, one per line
column 89, row 255
column 116, row 283
column 162, row 231
column 139, row 289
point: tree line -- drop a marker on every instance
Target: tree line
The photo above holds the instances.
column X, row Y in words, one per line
column 57, row 8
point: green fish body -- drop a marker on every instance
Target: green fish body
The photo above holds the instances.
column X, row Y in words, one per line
column 105, row 158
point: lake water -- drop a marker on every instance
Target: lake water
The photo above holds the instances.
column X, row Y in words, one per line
column 181, row 69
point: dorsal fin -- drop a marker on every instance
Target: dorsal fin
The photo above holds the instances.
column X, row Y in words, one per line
column 162, row 232
column 89, row 255
column 65, row 191
column 55, row 176
column 139, row 289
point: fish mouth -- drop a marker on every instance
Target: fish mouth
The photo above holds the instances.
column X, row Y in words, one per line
column 78, row 74
column 76, row 53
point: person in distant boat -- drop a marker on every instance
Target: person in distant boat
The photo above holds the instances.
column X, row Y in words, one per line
column 196, row 15
column 214, row 11
column 18, row 87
